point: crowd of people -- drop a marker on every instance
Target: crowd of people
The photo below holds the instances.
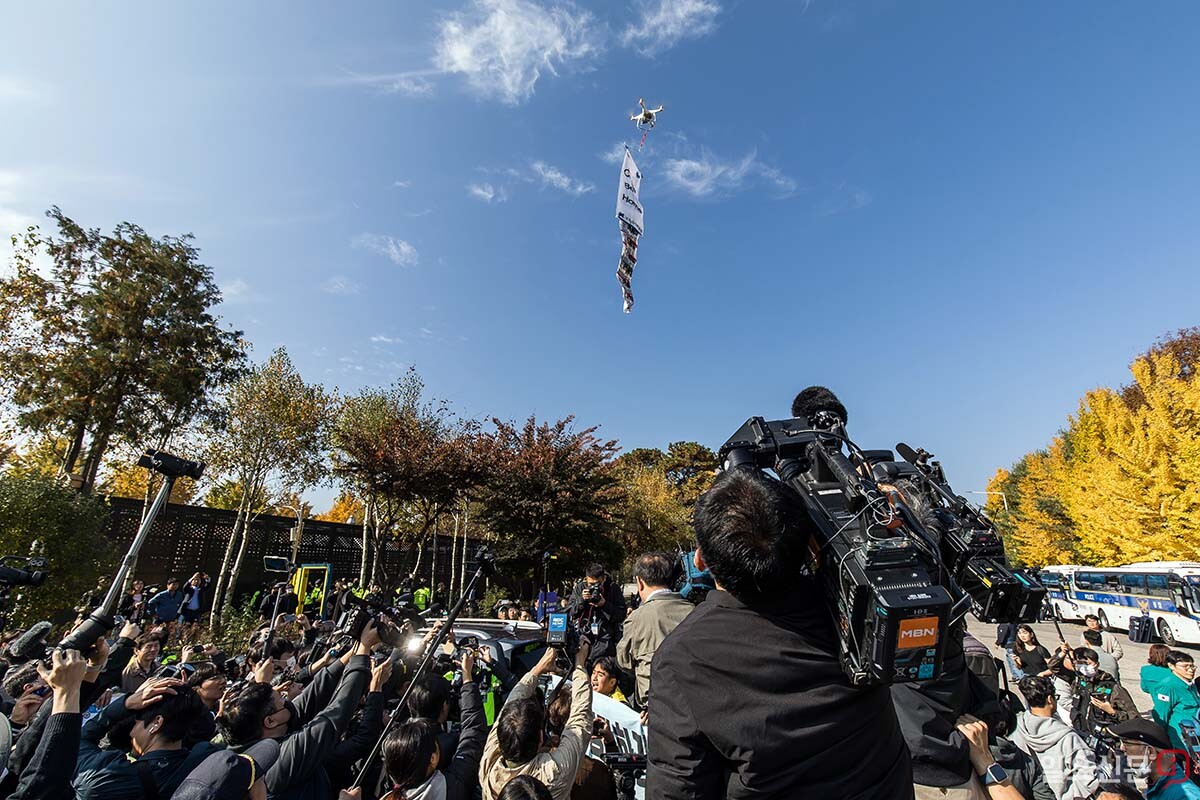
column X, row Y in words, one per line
column 742, row 696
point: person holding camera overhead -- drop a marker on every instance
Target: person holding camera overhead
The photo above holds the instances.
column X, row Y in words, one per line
column 749, row 699
column 599, row 608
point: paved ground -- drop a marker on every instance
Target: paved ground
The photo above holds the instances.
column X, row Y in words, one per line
column 1135, row 654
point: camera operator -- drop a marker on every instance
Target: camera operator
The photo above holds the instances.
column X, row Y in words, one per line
column 156, row 720
column 309, row 728
column 430, row 700
column 660, row 612
column 515, row 741
column 1100, row 700
column 416, row 765
column 1067, row 761
column 599, row 607
column 749, row 698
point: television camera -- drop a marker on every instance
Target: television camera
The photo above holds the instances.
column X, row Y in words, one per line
column 626, row 769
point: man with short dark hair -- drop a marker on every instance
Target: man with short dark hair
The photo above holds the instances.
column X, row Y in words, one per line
column 164, row 606
column 309, row 728
column 430, row 700
column 1067, row 761
column 748, row 697
column 660, row 613
column 143, row 664
column 1177, row 695
column 514, row 744
column 162, row 712
column 597, row 601
column 1094, row 640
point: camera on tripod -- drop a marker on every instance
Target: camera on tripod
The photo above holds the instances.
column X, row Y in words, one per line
column 164, row 463
column 880, row 572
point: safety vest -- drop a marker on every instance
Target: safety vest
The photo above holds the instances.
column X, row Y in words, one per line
column 421, row 598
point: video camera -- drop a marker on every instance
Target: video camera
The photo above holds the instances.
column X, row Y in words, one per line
column 626, row 768
column 389, row 619
column 31, row 572
column 565, row 634
column 879, row 569
column 970, row 547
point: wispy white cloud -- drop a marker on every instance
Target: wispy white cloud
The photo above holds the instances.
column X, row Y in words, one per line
column 846, row 197
column 502, row 47
column 340, row 284
column 14, row 89
column 487, row 193
column 401, row 184
column 397, row 250
column 236, row 291
column 664, row 23
column 707, row 175
column 380, row 338
column 614, row 154
column 413, row 83
column 426, row 333
column 555, row 178
column 414, row 214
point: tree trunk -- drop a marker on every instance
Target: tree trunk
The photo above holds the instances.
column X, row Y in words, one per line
column 231, row 585
column 366, row 541
column 453, row 557
column 75, row 448
column 433, row 563
column 462, row 578
column 91, row 466
column 299, row 535
column 226, row 562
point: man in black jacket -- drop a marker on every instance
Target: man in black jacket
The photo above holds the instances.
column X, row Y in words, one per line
column 597, row 601
column 748, row 698
column 309, row 729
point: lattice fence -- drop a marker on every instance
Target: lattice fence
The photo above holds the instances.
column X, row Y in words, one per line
column 186, row 539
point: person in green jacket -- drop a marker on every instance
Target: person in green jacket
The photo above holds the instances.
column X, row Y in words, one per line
column 421, row 596
column 1152, row 674
column 1178, row 694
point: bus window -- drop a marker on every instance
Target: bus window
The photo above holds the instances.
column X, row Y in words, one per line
column 1133, row 584
column 1156, row 586
column 1050, row 579
column 1113, row 583
column 1089, row 580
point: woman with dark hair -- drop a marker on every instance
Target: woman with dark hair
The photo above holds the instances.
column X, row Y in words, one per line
column 524, row 787
column 1029, row 654
column 411, row 752
column 1154, row 672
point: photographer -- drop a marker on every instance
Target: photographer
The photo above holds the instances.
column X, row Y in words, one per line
column 417, row 766
column 515, row 741
column 1100, row 700
column 52, row 766
column 164, row 606
column 598, row 606
column 749, row 698
column 310, row 728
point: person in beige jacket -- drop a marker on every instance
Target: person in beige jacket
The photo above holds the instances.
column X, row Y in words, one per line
column 660, row 612
column 514, row 744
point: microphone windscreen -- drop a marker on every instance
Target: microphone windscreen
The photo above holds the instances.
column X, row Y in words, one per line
column 906, row 452
column 818, row 398
column 31, row 643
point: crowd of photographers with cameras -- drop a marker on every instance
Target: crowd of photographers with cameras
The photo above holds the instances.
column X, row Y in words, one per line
column 814, row 643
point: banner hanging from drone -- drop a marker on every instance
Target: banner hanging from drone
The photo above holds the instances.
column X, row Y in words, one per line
column 630, row 217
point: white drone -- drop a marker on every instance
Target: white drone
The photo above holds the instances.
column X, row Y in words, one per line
column 645, row 119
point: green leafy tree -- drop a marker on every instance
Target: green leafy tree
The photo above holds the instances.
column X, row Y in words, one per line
column 412, row 460
column 552, row 486
column 116, row 343
column 68, row 528
column 273, row 439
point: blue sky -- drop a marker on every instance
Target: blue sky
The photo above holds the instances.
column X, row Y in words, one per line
column 959, row 216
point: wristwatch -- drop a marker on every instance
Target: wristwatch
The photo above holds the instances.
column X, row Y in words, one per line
column 995, row 774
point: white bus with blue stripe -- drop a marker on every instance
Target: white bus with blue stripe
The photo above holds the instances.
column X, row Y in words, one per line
column 1167, row 591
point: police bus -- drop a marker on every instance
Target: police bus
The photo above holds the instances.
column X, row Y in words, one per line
column 1167, row 591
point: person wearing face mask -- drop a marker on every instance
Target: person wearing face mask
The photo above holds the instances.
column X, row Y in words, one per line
column 1154, row 758
column 308, row 728
column 1100, row 700
column 157, row 717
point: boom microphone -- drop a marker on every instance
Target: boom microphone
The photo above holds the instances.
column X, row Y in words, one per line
column 817, row 400
column 32, row 643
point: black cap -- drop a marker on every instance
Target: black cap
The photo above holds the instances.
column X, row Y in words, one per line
column 1142, row 730
column 227, row 775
